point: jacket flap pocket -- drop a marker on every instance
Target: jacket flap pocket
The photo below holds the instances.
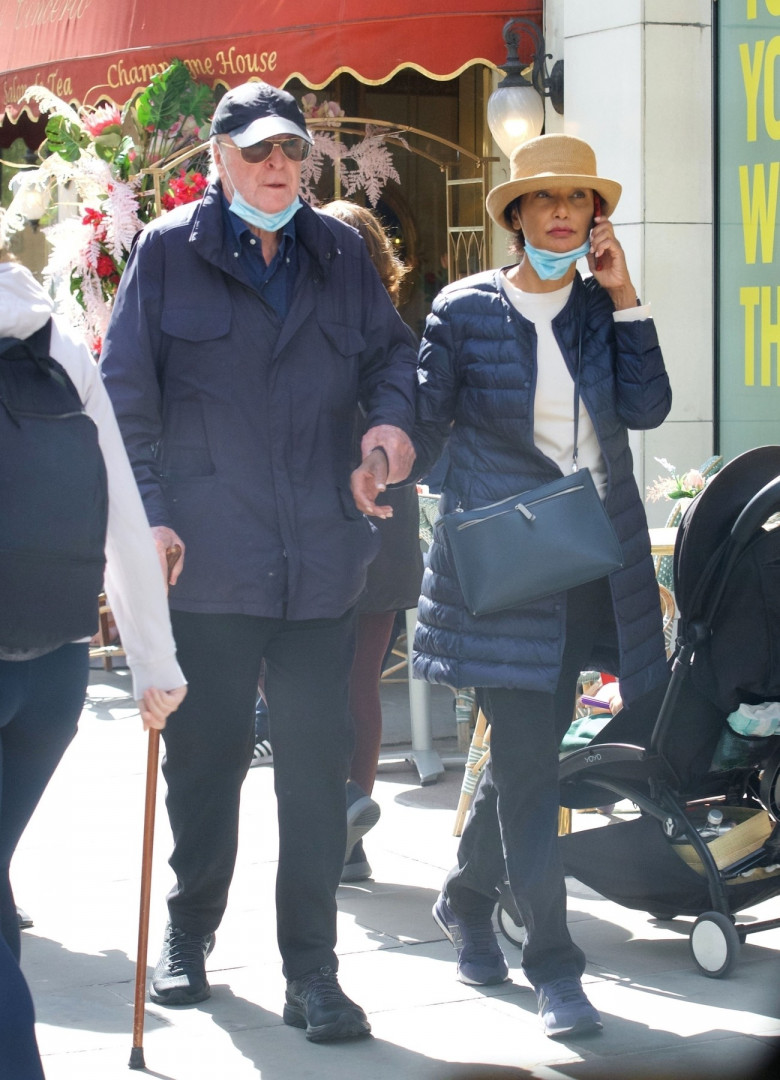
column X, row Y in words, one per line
column 205, row 323
column 347, row 340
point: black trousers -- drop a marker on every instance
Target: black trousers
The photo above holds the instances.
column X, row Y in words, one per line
column 208, row 747
column 511, row 833
column 40, row 705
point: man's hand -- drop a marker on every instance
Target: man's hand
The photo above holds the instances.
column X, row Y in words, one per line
column 157, row 705
column 397, row 446
column 369, row 480
column 171, row 564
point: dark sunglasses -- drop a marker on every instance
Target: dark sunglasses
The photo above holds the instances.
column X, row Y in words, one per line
column 295, row 148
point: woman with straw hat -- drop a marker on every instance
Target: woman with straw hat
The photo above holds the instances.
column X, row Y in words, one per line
column 497, row 366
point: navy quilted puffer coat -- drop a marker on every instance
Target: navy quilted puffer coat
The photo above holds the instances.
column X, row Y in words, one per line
column 477, row 371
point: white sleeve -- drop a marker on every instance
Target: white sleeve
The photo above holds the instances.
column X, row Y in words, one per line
column 134, row 583
column 633, row 314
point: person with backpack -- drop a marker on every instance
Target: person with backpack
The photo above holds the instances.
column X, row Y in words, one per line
column 57, row 430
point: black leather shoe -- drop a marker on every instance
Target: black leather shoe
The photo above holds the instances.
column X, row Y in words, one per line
column 317, row 1002
column 180, row 975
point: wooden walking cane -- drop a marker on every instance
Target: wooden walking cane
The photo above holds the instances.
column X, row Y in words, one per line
column 150, row 802
column 137, row 1053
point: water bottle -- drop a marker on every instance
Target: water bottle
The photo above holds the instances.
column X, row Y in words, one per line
column 715, row 825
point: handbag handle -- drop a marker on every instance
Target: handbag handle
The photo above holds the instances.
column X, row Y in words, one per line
column 576, row 450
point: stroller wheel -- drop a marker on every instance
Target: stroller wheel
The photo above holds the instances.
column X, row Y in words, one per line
column 510, row 921
column 661, row 918
column 714, row 944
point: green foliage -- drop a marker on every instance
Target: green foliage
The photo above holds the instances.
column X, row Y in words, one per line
column 171, row 95
column 65, row 138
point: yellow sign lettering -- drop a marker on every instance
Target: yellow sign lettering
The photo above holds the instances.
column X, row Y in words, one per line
column 770, row 334
column 751, row 76
column 770, row 115
column 749, row 298
column 759, row 209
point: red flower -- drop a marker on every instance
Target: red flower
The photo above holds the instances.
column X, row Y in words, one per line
column 184, row 189
column 105, row 266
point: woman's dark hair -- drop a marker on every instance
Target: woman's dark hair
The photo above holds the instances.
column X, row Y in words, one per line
column 516, row 244
column 391, row 269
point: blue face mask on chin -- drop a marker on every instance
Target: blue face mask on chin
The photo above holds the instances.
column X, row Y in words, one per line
column 551, row 265
column 267, row 222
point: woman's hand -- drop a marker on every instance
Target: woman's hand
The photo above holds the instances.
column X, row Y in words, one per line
column 157, row 705
column 607, row 262
column 369, row 480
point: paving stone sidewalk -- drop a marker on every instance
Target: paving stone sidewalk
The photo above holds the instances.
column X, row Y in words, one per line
column 77, row 874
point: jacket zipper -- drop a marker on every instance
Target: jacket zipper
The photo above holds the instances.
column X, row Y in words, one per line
column 522, row 507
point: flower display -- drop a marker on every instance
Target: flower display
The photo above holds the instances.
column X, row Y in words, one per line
column 675, row 485
column 184, row 188
column 101, row 155
column 99, row 159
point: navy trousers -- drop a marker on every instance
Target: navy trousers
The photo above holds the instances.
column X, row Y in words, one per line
column 208, row 748
column 512, row 829
column 40, row 704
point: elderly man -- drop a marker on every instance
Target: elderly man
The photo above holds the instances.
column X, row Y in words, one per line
column 247, row 330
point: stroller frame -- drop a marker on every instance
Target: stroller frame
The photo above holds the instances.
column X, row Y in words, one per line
column 650, row 776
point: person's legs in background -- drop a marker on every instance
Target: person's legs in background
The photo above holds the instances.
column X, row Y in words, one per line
column 373, row 633
column 263, row 753
column 19, row 1057
column 40, row 704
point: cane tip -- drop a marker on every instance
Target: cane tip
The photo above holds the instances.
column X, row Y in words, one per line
column 137, row 1058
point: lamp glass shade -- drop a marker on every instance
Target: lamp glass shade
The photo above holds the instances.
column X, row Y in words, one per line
column 32, row 194
column 514, row 115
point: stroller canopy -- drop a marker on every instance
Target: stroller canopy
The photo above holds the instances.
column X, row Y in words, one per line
column 727, row 581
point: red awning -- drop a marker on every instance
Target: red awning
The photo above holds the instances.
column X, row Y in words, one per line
column 86, row 50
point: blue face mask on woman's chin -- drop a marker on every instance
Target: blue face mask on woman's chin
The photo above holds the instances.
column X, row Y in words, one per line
column 551, row 265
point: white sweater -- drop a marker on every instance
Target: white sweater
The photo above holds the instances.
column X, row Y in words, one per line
column 554, row 399
column 133, row 581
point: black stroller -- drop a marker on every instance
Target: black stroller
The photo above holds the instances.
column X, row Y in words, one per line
column 659, row 754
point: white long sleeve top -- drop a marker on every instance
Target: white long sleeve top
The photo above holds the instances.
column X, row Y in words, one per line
column 133, row 579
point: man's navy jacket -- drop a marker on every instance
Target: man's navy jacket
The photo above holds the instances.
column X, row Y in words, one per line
column 239, row 424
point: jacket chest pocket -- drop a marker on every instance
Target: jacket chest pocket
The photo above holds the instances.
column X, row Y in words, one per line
column 206, row 323
column 343, row 339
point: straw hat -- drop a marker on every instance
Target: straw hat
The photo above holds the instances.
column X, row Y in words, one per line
column 551, row 161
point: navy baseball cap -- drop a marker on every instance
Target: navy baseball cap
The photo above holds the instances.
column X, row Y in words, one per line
column 255, row 111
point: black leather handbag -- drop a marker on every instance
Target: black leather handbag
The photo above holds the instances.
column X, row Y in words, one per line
column 536, row 543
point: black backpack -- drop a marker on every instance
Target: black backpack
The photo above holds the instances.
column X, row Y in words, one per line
column 53, row 504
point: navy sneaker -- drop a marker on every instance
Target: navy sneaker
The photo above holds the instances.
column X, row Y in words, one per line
column 357, row 867
column 362, row 815
column 317, row 1003
column 565, row 1010
column 480, row 960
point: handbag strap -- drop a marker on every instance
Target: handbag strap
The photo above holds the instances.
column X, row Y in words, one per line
column 576, row 450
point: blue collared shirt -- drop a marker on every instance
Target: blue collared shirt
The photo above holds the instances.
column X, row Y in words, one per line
column 274, row 282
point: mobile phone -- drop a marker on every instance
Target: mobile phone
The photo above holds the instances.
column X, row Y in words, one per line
column 595, row 703
column 596, row 213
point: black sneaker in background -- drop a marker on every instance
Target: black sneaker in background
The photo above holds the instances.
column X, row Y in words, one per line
column 362, row 815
